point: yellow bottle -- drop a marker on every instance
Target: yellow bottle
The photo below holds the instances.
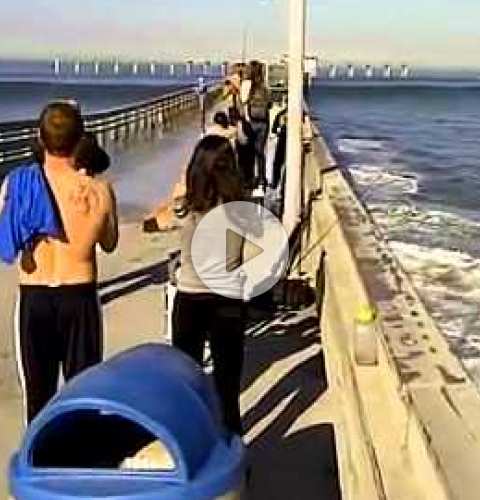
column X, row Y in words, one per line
column 366, row 336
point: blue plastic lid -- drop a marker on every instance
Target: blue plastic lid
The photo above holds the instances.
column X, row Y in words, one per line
column 168, row 395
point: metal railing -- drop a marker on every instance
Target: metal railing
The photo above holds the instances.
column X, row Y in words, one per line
column 16, row 138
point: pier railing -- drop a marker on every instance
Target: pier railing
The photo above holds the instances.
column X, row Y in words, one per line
column 16, row 138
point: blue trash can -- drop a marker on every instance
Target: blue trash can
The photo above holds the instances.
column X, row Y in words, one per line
column 75, row 447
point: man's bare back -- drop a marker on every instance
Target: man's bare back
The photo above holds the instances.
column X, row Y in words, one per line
column 88, row 212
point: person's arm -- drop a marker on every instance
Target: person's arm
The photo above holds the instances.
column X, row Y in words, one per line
column 108, row 240
column 245, row 89
column 242, row 137
column 169, row 213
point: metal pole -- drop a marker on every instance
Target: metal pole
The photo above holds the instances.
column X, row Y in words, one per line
column 202, row 91
column 295, row 114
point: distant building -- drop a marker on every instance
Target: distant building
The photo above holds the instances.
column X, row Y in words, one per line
column 351, row 72
column 387, row 72
column 369, row 72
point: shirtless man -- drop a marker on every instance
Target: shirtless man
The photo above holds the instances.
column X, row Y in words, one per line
column 59, row 318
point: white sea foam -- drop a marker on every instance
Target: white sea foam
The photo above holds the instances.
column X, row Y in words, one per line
column 449, row 284
column 383, row 183
column 354, row 145
column 426, row 242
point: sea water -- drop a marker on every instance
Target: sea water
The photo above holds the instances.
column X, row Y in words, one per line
column 414, row 155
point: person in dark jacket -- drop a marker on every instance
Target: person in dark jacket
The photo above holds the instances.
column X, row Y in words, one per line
column 279, row 128
column 245, row 147
column 258, row 106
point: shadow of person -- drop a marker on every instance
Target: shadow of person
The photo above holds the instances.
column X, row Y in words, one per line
column 274, row 341
column 302, row 465
column 289, row 465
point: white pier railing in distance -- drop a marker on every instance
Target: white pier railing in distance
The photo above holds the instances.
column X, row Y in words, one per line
column 123, row 122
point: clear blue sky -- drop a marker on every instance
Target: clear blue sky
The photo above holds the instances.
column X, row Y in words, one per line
column 431, row 32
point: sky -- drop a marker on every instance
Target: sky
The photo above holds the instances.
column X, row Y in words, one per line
column 417, row 32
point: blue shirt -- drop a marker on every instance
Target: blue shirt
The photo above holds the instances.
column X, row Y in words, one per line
column 29, row 211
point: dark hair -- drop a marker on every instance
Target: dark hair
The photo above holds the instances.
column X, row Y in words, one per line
column 257, row 74
column 88, row 155
column 220, row 118
column 233, row 115
column 212, row 175
column 61, row 128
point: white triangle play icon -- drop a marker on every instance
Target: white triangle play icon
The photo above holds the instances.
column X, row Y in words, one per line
column 250, row 249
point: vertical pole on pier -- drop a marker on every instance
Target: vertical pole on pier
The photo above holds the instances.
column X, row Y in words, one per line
column 293, row 186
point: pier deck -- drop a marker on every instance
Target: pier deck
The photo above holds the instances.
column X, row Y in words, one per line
column 291, row 448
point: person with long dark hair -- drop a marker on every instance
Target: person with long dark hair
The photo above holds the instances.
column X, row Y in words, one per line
column 212, row 179
column 258, row 107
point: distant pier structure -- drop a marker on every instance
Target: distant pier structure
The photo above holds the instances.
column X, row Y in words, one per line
column 150, row 69
column 361, row 72
column 351, row 72
column 369, row 72
column 405, row 72
column 190, row 70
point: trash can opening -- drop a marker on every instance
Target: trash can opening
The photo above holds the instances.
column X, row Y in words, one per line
column 94, row 439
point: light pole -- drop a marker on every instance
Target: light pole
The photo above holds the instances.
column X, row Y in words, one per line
column 292, row 212
column 202, row 94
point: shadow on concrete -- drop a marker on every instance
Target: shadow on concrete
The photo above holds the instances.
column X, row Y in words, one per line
column 302, row 464
column 134, row 281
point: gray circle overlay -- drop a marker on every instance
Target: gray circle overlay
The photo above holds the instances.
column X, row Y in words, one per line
column 233, row 227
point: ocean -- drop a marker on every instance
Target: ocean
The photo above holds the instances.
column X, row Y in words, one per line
column 414, row 154
column 142, row 171
column 25, row 99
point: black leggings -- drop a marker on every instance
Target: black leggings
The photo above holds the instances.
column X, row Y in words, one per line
column 197, row 317
column 260, row 130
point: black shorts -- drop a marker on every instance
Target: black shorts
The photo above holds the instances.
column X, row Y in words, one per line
column 57, row 327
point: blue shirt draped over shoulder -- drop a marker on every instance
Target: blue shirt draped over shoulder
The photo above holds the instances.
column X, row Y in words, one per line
column 29, row 211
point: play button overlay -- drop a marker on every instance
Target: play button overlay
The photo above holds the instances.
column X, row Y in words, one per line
column 254, row 252
column 239, row 250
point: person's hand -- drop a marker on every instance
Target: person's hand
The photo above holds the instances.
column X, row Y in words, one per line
column 165, row 218
column 179, row 191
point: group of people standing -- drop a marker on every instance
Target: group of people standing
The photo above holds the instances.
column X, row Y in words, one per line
column 248, row 116
column 228, row 163
column 54, row 213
